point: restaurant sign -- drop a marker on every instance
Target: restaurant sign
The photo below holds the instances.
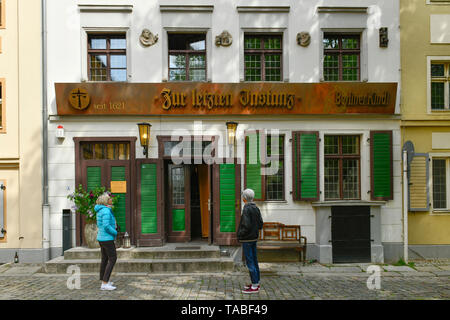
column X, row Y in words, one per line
column 199, row 98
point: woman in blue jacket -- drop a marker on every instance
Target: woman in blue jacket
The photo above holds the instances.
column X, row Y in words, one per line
column 106, row 235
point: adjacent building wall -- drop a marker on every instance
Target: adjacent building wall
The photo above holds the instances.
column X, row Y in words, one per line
column 428, row 234
column 20, row 139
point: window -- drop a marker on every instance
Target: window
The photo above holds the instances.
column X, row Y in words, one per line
column 2, row 105
column 275, row 183
column 440, row 76
column 2, row 13
column 342, row 167
column 107, row 58
column 341, row 58
column 268, row 186
column 262, row 56
column 187, row 57
column 440, row 183
column 2, row 209
column 105, row 151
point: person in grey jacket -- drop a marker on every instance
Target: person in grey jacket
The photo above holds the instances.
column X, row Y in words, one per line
column 248, row 233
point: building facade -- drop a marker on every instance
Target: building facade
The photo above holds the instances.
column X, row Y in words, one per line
column 21, row 132
column 425, row 124
column 313, row 88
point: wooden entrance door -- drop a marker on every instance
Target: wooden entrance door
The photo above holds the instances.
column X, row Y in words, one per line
column 350, row 234
column 178, row 206
column 103, row 173
column 100, row 161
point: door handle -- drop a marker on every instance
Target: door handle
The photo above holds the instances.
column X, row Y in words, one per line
column 209, row 205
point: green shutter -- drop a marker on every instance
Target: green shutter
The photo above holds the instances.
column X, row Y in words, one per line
column 178, row 220
column 149, row 191
column 94, row 178
column 306, row 165
column 295, row 181
column 253, row 176
column 118, row 174
column 227, row 197
column 381, row 168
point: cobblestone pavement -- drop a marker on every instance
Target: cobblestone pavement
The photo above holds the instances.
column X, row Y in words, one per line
column 278, row 282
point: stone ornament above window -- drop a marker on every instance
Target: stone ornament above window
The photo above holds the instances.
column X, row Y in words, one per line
column 224, row 39
column 147, row 38
column 303, row 39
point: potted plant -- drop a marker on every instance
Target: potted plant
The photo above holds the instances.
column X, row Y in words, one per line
column 84, row 203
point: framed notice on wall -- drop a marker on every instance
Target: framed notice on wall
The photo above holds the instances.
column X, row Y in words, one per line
column 118, row 187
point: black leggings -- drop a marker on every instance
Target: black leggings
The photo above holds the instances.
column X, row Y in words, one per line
column 109, row 258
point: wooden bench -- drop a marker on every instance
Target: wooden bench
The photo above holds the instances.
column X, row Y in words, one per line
column 275, row 236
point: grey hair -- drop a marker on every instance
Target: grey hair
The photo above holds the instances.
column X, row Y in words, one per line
column 248, row 195
column 103, row 199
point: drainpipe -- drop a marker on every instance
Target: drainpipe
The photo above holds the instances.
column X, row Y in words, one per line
column 45, row 204
column 405, row 206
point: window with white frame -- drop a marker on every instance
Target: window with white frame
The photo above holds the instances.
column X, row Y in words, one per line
column 439, row 85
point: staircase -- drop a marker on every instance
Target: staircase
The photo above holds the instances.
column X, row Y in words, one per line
column 171, row 258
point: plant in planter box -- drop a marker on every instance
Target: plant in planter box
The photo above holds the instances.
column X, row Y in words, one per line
column 84, row 203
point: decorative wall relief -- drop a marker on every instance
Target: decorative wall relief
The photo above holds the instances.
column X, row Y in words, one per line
column 224, row 39
column 303, row 39
column 147, row 38
column 384, row 39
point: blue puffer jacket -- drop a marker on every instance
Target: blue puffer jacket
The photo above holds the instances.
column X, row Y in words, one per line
column 106, row 223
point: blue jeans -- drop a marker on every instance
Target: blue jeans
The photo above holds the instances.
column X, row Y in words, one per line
column 251, row 260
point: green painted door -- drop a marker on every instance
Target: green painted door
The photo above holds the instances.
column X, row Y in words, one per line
column 148, row 199
column 118, row 173
column 226, row 202
column 179, row 203
column 227, row 197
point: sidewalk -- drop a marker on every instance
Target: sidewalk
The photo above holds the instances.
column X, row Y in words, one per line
column 279, row 281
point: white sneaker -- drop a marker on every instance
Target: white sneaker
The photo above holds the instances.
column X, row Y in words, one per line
column 111, row 283
column 107, row 287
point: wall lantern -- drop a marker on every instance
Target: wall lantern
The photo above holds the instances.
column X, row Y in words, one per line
column 144, row 136
column 231, row 131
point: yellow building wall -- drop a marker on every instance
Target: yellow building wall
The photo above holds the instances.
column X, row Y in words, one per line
column 427, row 227
column 417, row 124
column 21, row 141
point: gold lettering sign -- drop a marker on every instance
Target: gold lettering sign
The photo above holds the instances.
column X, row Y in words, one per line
column 224, row 99
column 79, row 99
column 118, row 187
column 361, row 100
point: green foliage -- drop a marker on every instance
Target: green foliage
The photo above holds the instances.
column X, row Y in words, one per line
column 85, row 200
column 402, row 262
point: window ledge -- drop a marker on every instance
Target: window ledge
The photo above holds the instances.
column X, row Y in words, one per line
column 440, row 212
column 333, row 203
column 271, row 201
column 105, row 8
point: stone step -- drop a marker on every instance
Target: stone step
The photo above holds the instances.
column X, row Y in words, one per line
column 61, row 265
column 166, row 252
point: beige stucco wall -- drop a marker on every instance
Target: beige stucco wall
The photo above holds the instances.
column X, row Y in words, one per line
column 423, row 34
column 21, row 143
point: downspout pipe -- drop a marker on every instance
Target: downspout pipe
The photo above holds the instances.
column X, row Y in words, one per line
column 45, row 204
column 405, row 205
